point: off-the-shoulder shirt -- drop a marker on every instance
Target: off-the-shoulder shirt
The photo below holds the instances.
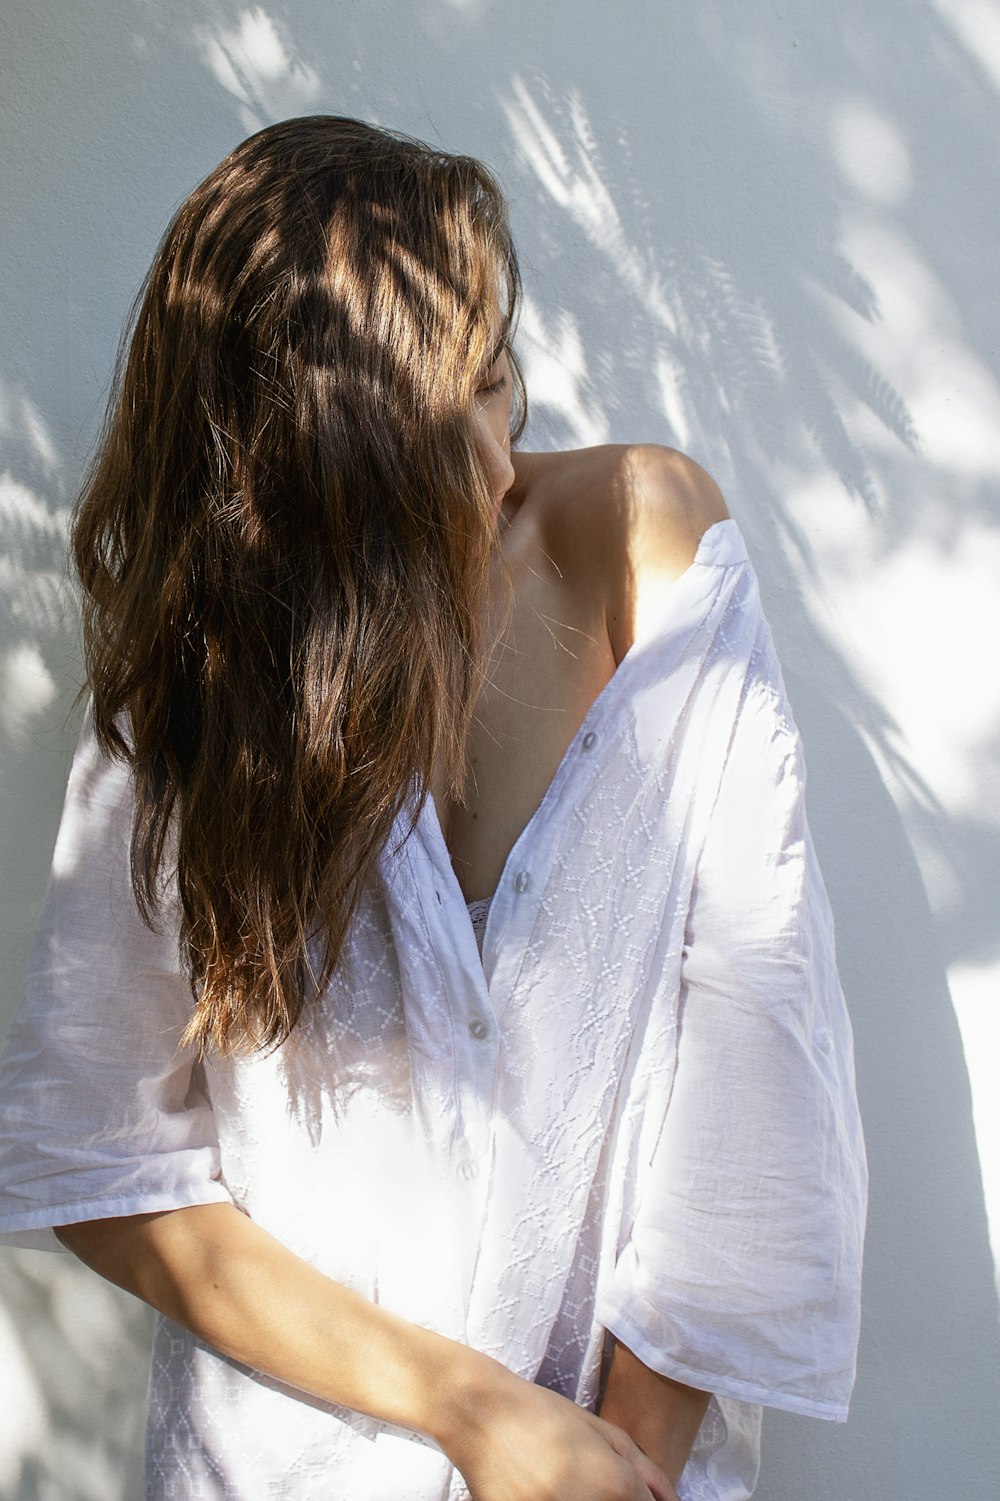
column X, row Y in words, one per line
column 635, row 1112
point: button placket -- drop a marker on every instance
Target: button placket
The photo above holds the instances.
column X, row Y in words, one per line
column 512, row 915
column 463, row 994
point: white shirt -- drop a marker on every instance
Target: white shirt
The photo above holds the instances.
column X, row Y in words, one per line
column 636, row 1112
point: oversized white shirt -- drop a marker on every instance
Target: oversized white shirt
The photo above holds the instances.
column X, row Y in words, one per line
column 636, row 1112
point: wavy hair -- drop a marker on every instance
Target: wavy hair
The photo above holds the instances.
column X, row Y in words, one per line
column 284, row 542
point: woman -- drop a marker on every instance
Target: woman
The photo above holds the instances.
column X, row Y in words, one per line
column 412, row 1214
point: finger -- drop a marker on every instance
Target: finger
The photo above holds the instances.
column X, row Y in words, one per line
column 645, row 1493
column 657, row 1480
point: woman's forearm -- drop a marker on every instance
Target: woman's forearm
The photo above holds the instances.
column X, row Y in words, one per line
column 212, row 1270
column 662, row 1415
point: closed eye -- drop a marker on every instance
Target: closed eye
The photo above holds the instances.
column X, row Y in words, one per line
column 494, row 387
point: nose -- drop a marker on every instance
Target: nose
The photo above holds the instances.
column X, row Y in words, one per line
column 496, row 455
column 501, row 468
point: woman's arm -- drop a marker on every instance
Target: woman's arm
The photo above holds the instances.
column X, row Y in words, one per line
column 662, row 1415
column 212, row 1270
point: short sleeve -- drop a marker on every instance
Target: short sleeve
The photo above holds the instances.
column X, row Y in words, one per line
column 741, row 1273
column 101, row 1113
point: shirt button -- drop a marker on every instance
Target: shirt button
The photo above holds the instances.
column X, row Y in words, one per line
column 467, row 1170
column 589, row 740
column 478, row 1029
column 823, row 1040
column 522, row 880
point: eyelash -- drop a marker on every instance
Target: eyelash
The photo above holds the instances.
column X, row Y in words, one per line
column 495, row 388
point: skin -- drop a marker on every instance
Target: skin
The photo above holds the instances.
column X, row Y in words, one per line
column 589, row 541
column 586, row 539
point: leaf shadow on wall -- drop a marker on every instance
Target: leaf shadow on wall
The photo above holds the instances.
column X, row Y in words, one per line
column 704, row 311
column 680, row 235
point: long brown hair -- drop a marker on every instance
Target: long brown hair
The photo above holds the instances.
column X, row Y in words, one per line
column 285, row 538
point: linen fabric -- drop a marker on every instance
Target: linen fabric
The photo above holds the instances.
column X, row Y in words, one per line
column 635, row 1112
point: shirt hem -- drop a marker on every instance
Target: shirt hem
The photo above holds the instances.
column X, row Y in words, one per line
column 719, row 1384
column 32, row 1229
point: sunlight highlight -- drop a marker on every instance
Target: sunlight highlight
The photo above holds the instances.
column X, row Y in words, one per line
column 915, row 617
column 32, row 547
column 871, row 153
column 977, row 25
column 574, row 180
column 253, row 63
column 24, row 1425
column 27, row 688
column 925, row 376
column 555, row 368
column 35, row 601
column 975, row 992
column 670, row 375
column 21, row 418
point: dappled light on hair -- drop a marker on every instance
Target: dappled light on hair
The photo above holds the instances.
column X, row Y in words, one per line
column 286, row 539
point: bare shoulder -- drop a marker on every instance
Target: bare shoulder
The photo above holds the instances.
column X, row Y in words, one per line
column 672, row 503
column 625, row 519
column 644, row 491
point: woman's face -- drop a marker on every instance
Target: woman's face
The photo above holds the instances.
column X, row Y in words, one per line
column 492, row 410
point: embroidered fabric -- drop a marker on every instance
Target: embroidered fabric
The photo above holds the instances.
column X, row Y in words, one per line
column 633, row 1112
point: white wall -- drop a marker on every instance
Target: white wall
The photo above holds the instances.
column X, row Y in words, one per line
column 765, row 233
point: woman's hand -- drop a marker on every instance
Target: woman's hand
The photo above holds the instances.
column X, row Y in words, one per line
column 518, row 1442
